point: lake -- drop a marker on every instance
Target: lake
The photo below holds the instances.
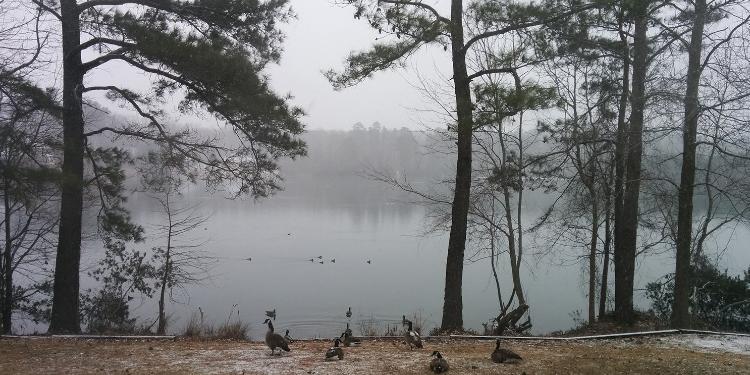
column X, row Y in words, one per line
column 405, row 274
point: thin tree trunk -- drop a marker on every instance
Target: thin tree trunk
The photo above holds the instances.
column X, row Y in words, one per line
column 6, row 266
column 607, row 244
column 594, row 241
column 681, row 304
column 494, row 270
column 625, row 249
column 698, row 254
column 167, row 270
column 65, row 317
column 512, row 249
column 453, row 301
column 519, row 212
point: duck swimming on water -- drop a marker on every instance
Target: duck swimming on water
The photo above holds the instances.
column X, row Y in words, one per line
column 271, row 314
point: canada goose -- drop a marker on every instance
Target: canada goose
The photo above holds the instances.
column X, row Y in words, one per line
column 438, row 364
column 333, row 260
column 274, row 340
column 369, row 261
column 412, row 337
column 288, row 338
column 335, row 351
column 349, row 313
column 271, row 314
column 248, row 259
column 348, row 340
column 502, row 355
column 321, row 262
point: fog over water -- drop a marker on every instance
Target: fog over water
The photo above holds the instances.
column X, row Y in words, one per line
column 331, row 210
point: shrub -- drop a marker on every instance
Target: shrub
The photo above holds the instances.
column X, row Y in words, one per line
column 719, row 301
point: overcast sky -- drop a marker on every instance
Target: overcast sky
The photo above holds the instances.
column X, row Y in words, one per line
column 319, row 39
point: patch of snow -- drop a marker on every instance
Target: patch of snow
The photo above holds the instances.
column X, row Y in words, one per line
column 712, row 343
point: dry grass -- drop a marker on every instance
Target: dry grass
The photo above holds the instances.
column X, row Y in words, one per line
column 646, row 356
column 236, row 330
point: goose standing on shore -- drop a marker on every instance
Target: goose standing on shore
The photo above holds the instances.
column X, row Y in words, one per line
column 502, row 355
column 274, row 340
column 412, row 336
column 438, row 364
column 288, row 338
column 335, row 351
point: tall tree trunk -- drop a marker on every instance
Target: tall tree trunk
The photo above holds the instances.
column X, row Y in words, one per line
column 681, row 304
column 65, row 317
column 594, row 242
column 607, row 244
column 625, row 251
column 519, row 212
column 513, row 250
column 453, row 302
column 6, row 264
column 621, row 144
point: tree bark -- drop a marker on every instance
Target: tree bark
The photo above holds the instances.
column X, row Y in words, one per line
column 65, row 316
column 625, row 249
column 621, row 144
column 453, row 303
column 681, row 304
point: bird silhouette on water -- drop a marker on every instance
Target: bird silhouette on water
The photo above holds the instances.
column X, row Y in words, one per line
column 349, row 313
column 271, row 314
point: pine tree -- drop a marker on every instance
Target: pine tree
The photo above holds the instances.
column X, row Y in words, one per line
column 209, row 53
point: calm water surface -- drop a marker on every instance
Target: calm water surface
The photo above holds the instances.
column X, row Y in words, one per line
column 405, row 276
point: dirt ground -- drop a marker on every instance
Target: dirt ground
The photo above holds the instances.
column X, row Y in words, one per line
column 625, row 356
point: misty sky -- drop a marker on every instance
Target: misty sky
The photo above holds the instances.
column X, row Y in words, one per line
column 321, row 37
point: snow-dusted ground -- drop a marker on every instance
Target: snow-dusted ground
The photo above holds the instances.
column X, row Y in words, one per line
column 676, row 354
column 710, row 343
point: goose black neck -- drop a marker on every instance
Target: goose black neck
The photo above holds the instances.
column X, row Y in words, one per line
column 409, row 325
column 270, row 325
column 497, row 345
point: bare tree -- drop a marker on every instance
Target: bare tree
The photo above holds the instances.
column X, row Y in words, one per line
column 181, row 260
